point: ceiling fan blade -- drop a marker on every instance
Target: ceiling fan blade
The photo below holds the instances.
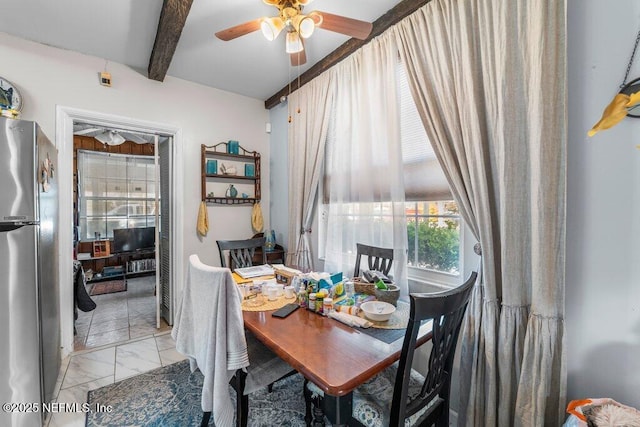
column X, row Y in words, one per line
column 86, row 131
column 298, row 58
column 239, row 30
column 343, row 25
column 134, row 138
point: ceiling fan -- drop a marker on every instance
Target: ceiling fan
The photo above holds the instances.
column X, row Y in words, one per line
column 109, row 136
column 298, row 26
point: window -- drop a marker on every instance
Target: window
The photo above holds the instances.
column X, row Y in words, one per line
column 433, row 233
column 114, row 191
column 433, row 220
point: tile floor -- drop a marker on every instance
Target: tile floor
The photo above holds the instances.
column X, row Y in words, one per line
column 91, row 369
column 120, row 316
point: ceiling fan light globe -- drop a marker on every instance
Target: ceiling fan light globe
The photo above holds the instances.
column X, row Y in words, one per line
column 294, row 44
column 271, row 27
column 305, row 26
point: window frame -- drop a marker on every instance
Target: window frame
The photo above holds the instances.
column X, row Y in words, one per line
column 148, row 202
column 438, row 188
column 419, row 274
column 442, row 275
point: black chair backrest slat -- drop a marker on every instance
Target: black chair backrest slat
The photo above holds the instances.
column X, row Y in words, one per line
column 447, row 311
column 379, row 259
column 241, row 252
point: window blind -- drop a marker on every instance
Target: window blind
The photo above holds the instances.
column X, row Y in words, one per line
column 423, row 177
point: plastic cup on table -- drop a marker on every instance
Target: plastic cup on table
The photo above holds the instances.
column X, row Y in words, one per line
column 289, row 292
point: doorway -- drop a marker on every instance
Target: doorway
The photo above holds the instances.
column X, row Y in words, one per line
column 117, row 208
column 167, row 140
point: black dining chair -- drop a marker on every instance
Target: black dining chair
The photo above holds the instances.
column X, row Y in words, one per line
column 379, row 259
column 241, row 252
column 418, row 400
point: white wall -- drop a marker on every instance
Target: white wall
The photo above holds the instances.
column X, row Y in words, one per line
column 603, row 223
column 48, row 77
column 279, row 183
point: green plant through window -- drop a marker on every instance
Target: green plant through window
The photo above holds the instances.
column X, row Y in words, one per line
column 433, row 232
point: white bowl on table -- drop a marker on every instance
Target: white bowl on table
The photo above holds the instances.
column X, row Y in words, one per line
column 378, row 311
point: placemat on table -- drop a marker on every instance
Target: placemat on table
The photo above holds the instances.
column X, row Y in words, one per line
column 268, row 305
column 398, row 320
column 386, row 335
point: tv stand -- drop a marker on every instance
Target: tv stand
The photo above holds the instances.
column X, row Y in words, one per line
column 133, row 264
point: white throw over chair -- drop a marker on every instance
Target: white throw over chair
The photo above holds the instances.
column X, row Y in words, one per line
column 209, row 330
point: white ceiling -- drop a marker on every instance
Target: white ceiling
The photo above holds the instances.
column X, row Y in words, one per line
column 124, row 31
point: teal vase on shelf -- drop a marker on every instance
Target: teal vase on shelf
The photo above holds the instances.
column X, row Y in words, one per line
column 232, row 192
column 233, row 147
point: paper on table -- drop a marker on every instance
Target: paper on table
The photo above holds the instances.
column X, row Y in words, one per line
column 350, row 320
column 254, row 271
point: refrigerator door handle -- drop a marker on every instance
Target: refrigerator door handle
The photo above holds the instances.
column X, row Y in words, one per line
column 14, row 226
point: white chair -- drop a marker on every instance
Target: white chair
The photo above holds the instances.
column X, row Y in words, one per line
column 208, row 329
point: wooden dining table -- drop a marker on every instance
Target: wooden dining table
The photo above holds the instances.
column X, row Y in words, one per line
column 336, row 357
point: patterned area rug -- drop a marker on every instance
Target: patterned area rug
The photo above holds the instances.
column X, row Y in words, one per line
column 108, row 287
column 170, row 396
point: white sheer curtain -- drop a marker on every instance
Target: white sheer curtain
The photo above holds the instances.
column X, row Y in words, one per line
column 309, row 108
column 488, row 77
column 364, row 163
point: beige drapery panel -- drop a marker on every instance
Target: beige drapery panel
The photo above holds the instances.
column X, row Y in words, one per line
column 306, row 139
column 488, row 77
column 365, row 161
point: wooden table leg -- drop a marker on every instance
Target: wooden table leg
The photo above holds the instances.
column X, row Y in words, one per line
column 338, row 410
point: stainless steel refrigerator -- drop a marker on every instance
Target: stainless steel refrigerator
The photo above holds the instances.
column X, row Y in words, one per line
column 29, row 310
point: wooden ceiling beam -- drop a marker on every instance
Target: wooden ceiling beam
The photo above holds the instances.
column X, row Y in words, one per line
column 172, row 19
column 392, row 17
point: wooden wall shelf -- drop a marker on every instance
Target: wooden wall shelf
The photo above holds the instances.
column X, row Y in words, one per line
column 241, row 161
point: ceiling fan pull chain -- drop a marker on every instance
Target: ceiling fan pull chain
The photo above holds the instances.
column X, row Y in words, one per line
column 289, row 95
column 633, row 54
column 298, row 88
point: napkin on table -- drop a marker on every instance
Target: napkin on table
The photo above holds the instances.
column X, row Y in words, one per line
column 350, row 320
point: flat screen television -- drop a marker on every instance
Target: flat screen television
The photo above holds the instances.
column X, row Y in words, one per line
column 134, row 239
